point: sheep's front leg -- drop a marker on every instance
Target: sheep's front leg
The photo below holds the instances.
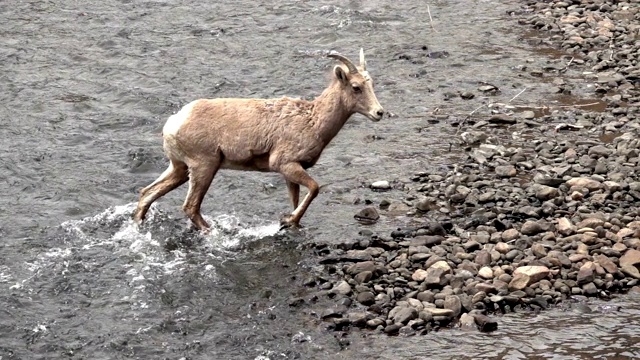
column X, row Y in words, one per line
column 294, row 193
column 295, row 173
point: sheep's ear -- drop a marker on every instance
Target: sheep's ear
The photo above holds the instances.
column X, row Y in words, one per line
column 341, row 74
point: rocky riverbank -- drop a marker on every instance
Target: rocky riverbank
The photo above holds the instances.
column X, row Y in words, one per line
column 523, row 223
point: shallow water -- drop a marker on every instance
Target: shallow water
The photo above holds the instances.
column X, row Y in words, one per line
column 85, row 88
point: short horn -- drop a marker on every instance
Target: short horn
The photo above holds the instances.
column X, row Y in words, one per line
column 363, row 62
column 352, row 68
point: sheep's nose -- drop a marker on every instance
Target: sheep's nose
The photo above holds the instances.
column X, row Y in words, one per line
column 380, row 112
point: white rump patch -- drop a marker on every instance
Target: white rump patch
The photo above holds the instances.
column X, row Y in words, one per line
column 174, row 123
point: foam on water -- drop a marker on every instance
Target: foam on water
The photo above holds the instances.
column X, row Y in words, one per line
column 227, row 232
column 142, row 252
column 5, row 275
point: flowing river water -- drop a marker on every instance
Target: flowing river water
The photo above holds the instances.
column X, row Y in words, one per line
column 85, row 89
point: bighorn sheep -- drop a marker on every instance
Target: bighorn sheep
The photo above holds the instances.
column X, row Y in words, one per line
column 270, row 135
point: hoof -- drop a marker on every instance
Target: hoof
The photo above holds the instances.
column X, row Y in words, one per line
column 137, row 220
column 286, row 222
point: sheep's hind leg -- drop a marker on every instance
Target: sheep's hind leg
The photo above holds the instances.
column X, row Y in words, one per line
column 296, row 174
column 174, row 176
column 294, row 193
column 200, row 177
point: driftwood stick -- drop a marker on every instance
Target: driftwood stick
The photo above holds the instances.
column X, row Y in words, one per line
column 468, row 116
column 431, row 19
column 513, row 98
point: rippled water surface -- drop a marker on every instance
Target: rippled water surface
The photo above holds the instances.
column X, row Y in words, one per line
column 85, row 88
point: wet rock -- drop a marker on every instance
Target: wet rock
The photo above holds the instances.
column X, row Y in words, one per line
column 363, row 277
column 502, row 119
column 342, row 288
column 427, row 240
column 467, row 95
column 358, row 255
column 334, row 312
column 357, row 318
column 367, row 215
column 434, row 229
column 436, row 312
column 295, row 302
column 426, row 204
column 381, row 185
column 366, row 298
column 453, row 303
column 361, row 267
column 392, row 329
column 374, row 323
column 528, row 114
column 590, row 289
column 487, row 88
column 407, row 331
column 403, row 315
column 586, row 274
column 505, row 171
column 425, row 316
column 467, row 322
column 485, row 323
column 473, row 137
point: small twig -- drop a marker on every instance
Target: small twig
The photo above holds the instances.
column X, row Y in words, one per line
column 431, row 19
column 567, row 66
column 548, row 106
column 513, row 98
column 569, row 63
column 468, row 116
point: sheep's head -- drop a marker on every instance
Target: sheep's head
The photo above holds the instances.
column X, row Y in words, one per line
column 357, row 87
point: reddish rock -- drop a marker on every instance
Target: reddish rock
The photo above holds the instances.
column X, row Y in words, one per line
column 631, row 257
column 535, row 273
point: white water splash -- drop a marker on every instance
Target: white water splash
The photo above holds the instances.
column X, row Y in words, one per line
column 270, row 355
column 228, row 233
column 145, row 256
column 5, row 275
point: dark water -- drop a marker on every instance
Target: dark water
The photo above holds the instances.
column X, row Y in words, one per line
column 85, row 88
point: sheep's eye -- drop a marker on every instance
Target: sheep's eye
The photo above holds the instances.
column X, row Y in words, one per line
column 356, row 88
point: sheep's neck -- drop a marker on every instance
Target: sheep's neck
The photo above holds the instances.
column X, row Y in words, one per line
column 330, row 113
